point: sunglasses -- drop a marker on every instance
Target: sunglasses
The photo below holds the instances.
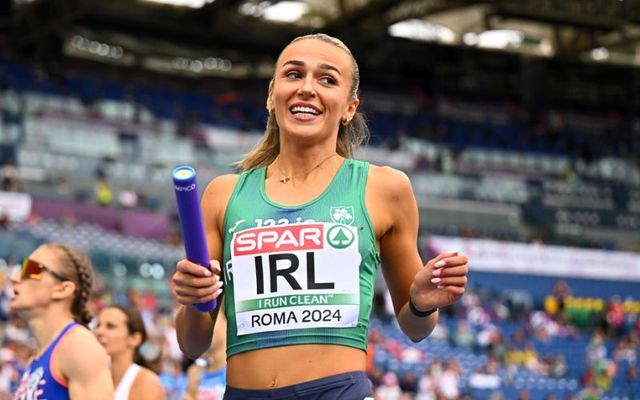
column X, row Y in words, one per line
column 32, row 269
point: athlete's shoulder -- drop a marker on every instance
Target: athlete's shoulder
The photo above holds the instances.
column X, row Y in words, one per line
column 216, row 197
column 389, row 180
column 148, row 376
column 72, row 360
column 147, row 385
column 220, row 188
column 223, row 182
column 80, row 336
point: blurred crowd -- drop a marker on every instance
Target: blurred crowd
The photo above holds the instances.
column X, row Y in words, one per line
column 507, row 342
column 491, row 343
column 501, row 350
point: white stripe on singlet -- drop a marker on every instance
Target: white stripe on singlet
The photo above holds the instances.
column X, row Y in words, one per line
column 122, row 391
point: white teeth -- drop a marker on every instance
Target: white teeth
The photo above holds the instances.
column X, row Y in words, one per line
column 302, row 109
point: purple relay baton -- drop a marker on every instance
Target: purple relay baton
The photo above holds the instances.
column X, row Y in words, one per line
column 195, row 244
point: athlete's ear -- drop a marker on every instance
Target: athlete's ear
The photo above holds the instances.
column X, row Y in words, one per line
column 270, row 103
column 135, row 339
column 352, row 107
column 64, row 289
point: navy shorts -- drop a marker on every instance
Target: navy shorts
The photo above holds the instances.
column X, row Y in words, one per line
column 347, row 386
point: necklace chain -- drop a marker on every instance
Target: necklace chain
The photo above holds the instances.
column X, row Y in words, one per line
column 286, row 178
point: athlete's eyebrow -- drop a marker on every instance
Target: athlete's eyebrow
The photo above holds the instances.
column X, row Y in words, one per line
column 299, row 63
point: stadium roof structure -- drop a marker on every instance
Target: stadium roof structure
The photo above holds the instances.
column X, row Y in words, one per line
column 434, row 40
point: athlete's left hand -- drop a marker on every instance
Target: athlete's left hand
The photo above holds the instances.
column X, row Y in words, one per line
column 441, row 282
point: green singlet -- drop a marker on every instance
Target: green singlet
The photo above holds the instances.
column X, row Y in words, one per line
column 299, row 274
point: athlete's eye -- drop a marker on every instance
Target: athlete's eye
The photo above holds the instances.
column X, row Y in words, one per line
column 328, row 80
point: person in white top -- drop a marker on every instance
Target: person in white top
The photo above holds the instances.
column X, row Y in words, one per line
column 121, row 331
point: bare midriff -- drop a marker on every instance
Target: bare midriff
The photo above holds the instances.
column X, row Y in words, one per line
column 278, row 367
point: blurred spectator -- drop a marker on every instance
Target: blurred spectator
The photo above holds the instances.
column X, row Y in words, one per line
column 9, row 177
column 5, row 220
column 486, row 377
column 613, row 319
column 173, row 380
column 590, row 392
column 496, row 347
column 449, row 382
column 409, row 384
column 626, row 350
column 596, row 350
column 533, row 361
column 380, row 306
column 128, row 198
column 122, row 332
column 63, row 187
column 632, row 374
column 440, row 331
column 559, row 366
column 134, row 299
column 100, row 172
column 463, row 335
column 5, row 293
column 206, row 376
column 389, row 388
column 484, row 336
column 129, row 145
column 16, row 331
column 600, row 374
column 519, row 302
column 103, row 192
column 411, row 355
column 561, row 291
column 373, row 343
column 427, row 385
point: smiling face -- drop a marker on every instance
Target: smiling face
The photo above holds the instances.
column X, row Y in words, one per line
column 311, row 91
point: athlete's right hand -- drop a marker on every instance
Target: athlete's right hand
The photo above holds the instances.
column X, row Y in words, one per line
column 193, row 283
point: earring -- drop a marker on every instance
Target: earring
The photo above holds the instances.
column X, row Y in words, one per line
column 345, row 121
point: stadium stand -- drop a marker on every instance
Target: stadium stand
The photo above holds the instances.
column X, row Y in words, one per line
column 92, row 149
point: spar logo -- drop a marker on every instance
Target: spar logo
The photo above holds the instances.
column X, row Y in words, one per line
column 340, row 236
column 285, row 238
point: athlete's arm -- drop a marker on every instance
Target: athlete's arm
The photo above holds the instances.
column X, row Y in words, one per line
column 393, row 202
column 194, row 329
column 84, row 363
column 402, row 267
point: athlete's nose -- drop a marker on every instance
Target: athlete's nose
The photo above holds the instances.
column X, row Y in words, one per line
column 306, row 87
